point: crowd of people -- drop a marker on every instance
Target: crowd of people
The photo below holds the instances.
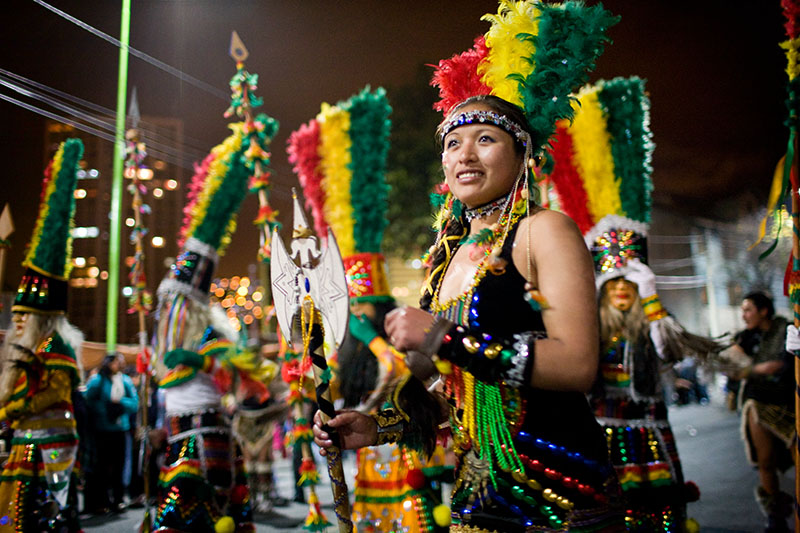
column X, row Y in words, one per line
column 529, row 378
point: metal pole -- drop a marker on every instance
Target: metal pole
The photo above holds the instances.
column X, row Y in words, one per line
column 115, row 212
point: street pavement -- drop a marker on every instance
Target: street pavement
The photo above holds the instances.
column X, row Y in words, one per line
column 708, row 442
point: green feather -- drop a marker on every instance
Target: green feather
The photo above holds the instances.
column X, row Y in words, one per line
column 369, row 135
column 54, row 249
column 570, row 38
column 626, row 108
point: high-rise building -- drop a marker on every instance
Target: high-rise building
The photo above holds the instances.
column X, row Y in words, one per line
column 164, row 184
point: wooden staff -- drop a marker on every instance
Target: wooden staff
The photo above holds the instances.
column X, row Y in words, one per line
column 239, row 53
column 313, row 347
column 140, row 298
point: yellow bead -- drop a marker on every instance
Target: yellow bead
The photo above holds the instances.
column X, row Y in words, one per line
column 519, row 476
column 535, row 485
column 564, row 503
column 549, row 495
column 493, row 350
column 471, row 345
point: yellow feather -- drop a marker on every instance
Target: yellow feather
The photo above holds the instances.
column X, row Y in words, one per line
column 334, row 152
column 594, row 160
column 507, row 53
column 45, row 206
column 216, row 172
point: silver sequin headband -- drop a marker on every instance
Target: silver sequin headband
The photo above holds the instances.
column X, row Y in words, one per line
column 486, row 117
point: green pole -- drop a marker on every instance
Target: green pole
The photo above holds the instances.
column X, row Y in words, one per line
column 116, row 184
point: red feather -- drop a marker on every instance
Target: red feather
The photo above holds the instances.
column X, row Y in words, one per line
column 457, row 78
column 567, row 182
column 791, row 10
column 195, row 186
column 302, row 150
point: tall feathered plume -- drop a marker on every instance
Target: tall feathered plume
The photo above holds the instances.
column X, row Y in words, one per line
column 50, row 247
column 343, row 178
column 536, row 55
column 602, row 159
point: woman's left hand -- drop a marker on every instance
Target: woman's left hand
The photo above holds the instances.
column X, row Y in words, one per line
column 407, row 326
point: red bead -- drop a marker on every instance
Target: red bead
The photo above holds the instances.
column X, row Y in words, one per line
column 585, row 489
column 552, row 474
column 568, row 482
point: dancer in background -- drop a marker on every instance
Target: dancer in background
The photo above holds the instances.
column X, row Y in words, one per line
column 41, row 369
column 601, row 179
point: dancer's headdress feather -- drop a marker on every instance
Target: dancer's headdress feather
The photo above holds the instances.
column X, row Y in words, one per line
column 48, row 260
column 602, row 172
column 340, row 160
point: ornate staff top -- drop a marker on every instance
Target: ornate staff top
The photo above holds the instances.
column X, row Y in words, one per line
column 320, row 275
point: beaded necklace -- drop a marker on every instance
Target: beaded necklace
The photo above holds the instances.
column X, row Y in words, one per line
column 483, row 422
column 485, row 210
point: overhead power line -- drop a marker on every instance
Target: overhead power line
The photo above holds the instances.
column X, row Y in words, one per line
column 139, row 54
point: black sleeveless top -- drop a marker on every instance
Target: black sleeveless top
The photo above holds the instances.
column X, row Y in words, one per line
column 553, row 432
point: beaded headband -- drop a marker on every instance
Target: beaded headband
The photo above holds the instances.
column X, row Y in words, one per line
column 486, row 117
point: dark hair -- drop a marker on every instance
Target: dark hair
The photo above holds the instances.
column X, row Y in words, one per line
column 105, row 366
column 358, row 367
column 761, row 301
column 496, row 104
column 457, row 228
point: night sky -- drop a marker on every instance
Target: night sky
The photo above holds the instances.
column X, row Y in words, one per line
column 713, row 69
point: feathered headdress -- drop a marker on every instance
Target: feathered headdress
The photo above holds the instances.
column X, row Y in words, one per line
column 602, row 172
column 340, row 160
column 48, row 260
column 534, row 55
column 218, row 187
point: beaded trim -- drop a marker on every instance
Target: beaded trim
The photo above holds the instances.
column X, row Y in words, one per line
column 483, row 117
column 486, row 209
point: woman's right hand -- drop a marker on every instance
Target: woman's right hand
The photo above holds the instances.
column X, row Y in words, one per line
column 355, row 430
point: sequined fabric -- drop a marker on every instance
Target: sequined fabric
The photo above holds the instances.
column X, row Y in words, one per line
column 35, row 482
column 629, row 405
column 203, row 478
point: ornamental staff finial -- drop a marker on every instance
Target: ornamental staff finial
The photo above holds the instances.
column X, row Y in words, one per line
column 309, row 288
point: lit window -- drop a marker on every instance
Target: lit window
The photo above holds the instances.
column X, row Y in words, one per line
column 145, row 174
column 257, row 296
column 248, row 319
column 93, row 272
column 130, row 222
column 79, row 262
column 127, row 291
column 158, row 192
column 242, row 290
column 79, row 194
column 157, row 242
column 104, row 275
column 93, row 173
column 171, row 185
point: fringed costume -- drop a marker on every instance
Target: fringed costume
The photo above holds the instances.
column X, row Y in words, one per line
column 601, row 178
column 40, row 369
column 203, row 483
